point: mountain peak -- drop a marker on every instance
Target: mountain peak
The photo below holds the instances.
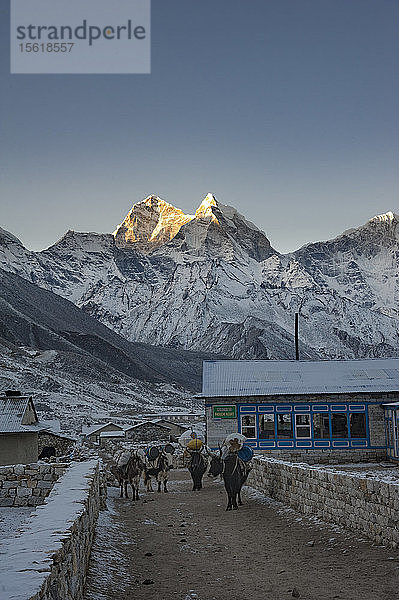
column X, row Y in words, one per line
column 151, row 223
column 387, row 217
column 7, row 237
column 205, row 208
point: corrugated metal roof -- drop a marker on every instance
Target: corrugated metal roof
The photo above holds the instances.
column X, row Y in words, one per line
column 128, row 428
column 12, row 410
column 112, row 434
column 273, row 377
column 93, row 428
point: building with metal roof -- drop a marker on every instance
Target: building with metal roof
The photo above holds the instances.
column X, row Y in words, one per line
column 18, row 429
column 314, row 410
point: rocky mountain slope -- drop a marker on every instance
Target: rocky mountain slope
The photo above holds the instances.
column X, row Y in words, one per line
column 77, row 367
column 211, row 281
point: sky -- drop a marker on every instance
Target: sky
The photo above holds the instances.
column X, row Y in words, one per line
column 285, row 109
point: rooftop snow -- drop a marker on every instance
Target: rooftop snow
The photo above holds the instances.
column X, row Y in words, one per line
column 267, row 377
column 112, row 434
column 12, row 411
column 98, row 427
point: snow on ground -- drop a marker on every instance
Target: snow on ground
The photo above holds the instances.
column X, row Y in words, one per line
column 107, row 559
column 11, row 519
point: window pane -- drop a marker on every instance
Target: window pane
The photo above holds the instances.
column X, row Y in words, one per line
column 358, row 425
column 284, row 427
column 339, row 423
column 302, row 426
column 266, row 427
column 389, row 430
column 248, row 426
column 321, row 426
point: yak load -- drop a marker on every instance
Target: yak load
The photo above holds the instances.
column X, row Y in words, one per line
column 233, row 463
column 158, row 463
column 194, row 456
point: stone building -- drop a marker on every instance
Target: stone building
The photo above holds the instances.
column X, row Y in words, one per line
column 175, row 429
column 318, row 411
column 61, row 443
column 18, row 429
column 148, row 432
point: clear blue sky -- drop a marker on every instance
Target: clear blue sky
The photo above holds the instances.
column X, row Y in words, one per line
column 285, row 109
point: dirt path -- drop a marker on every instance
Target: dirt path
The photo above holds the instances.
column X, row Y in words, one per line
column 183, row 545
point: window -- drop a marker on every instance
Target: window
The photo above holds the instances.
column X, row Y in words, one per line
column 248, row 427
column 321, row 426
column 389, row 429
column 358, row 425
column 284, row 427
column 302, row 426
column 266, row 427
column 339, row 425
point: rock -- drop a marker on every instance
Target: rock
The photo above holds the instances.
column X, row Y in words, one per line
column 148, row 582
column 295, row 593
column 148, row 554
column 311, row 543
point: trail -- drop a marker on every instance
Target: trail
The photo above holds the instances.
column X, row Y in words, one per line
column 184, row 545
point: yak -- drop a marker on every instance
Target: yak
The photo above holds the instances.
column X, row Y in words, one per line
column 129, row 472
column 197, row 467
column 158, row 468
column 234, row 473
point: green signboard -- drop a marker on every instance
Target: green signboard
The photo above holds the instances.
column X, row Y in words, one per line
column 224, row 412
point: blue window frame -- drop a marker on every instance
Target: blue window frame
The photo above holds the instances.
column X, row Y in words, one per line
column 312, row 425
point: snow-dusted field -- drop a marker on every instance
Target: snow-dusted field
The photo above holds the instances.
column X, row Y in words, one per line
column 11, row 518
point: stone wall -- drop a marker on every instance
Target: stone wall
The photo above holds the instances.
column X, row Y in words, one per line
column 28, row 485
column 326, row 456
column 366, row 505
column 48, row 559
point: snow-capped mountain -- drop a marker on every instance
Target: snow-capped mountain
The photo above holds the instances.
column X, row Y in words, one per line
column 78, row 368
column 212, row 281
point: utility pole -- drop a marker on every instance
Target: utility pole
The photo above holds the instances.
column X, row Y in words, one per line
column 296, row 337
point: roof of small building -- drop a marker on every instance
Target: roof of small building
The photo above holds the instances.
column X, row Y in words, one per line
column 224, row 378
column 146, row 423
column 12, row 411
column 112, row 434
column 93, row 428
column 44, row 430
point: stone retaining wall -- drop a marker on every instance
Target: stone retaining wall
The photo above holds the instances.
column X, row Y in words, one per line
column 28, row 485
column 48, row 559
column 366, row 505
column 327, row 456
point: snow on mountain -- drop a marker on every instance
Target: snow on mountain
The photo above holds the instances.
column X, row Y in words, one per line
column 212, row 281
column 74, row 365
column 150, row 224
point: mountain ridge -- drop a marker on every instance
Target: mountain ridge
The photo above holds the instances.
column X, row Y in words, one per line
column 212, row 281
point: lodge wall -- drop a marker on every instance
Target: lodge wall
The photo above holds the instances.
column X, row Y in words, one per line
column 372, row 447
